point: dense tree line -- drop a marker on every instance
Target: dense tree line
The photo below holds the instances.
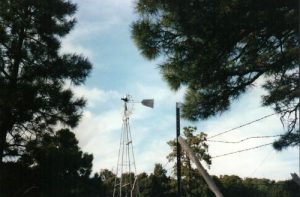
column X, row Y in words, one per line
column 160, row 184
column 30, row 181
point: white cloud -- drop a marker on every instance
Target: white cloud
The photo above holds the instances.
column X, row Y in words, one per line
column 95, row 96
column 69, row 46
column 93, row 125
column 95, row 18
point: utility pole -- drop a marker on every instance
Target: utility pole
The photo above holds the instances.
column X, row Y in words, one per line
column 298, row 91
column 299, row 85
column 178, row 105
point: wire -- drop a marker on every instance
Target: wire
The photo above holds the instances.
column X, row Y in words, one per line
column 243, row 125
column 245, row 139
column 170, row 169
column 166, row 164
column 243, row 150
column 262, row 162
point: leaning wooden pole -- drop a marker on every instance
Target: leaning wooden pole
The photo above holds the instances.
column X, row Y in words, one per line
column 210, row 182
column 295, row 178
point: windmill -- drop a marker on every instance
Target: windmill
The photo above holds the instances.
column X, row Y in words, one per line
column 126, row 181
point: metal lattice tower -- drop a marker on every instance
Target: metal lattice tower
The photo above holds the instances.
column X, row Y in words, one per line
column 126, row 182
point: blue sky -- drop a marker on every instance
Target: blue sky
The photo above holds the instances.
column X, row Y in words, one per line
column 103, row 35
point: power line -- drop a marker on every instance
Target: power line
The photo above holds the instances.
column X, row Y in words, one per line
column 245, row 139
column 167, row 163
column 243, row 125
column 171, row 170
column 262, row 162
column 243, row 150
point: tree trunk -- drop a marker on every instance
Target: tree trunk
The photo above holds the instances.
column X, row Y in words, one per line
column 3, row 133
column 6, row 116
column 5, row 126
column 210, row 182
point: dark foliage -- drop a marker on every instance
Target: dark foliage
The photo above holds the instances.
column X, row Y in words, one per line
column 218, row 49
column 33, row 73
column 160, row 182
column 230, row 185
column 200, row 148
column 52, row 166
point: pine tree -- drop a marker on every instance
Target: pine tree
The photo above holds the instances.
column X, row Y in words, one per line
column 54, row 165
column 199, row 147
column 218, row 49
column 61, row 166
column 33, row 72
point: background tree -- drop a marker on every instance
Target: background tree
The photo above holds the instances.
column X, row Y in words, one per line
column 219, row 49
column 62, row 169
column 233, row 186
column 52, row 165
column 33, row 73
column 18, row 180
column 160, row 182
column 108, row 178
column 199, row 147
column 145, row 184
column 157, row 184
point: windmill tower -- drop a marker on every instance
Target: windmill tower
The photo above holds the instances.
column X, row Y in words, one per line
column 126, row 182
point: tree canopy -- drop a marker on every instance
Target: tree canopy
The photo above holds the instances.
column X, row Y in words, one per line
column 230, row 185
column 53, row 165
column 200, row 148
column 33, row 72
column 219, row 49
column 156, row 184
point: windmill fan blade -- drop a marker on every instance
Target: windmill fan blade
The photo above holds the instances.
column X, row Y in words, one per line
column 148, row 102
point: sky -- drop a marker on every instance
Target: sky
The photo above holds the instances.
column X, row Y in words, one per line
column 102, row 34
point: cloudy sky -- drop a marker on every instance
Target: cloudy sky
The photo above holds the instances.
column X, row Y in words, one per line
column 103, row 35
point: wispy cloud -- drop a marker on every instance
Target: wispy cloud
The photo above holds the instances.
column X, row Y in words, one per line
column 96, row 96
column 94, row 19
